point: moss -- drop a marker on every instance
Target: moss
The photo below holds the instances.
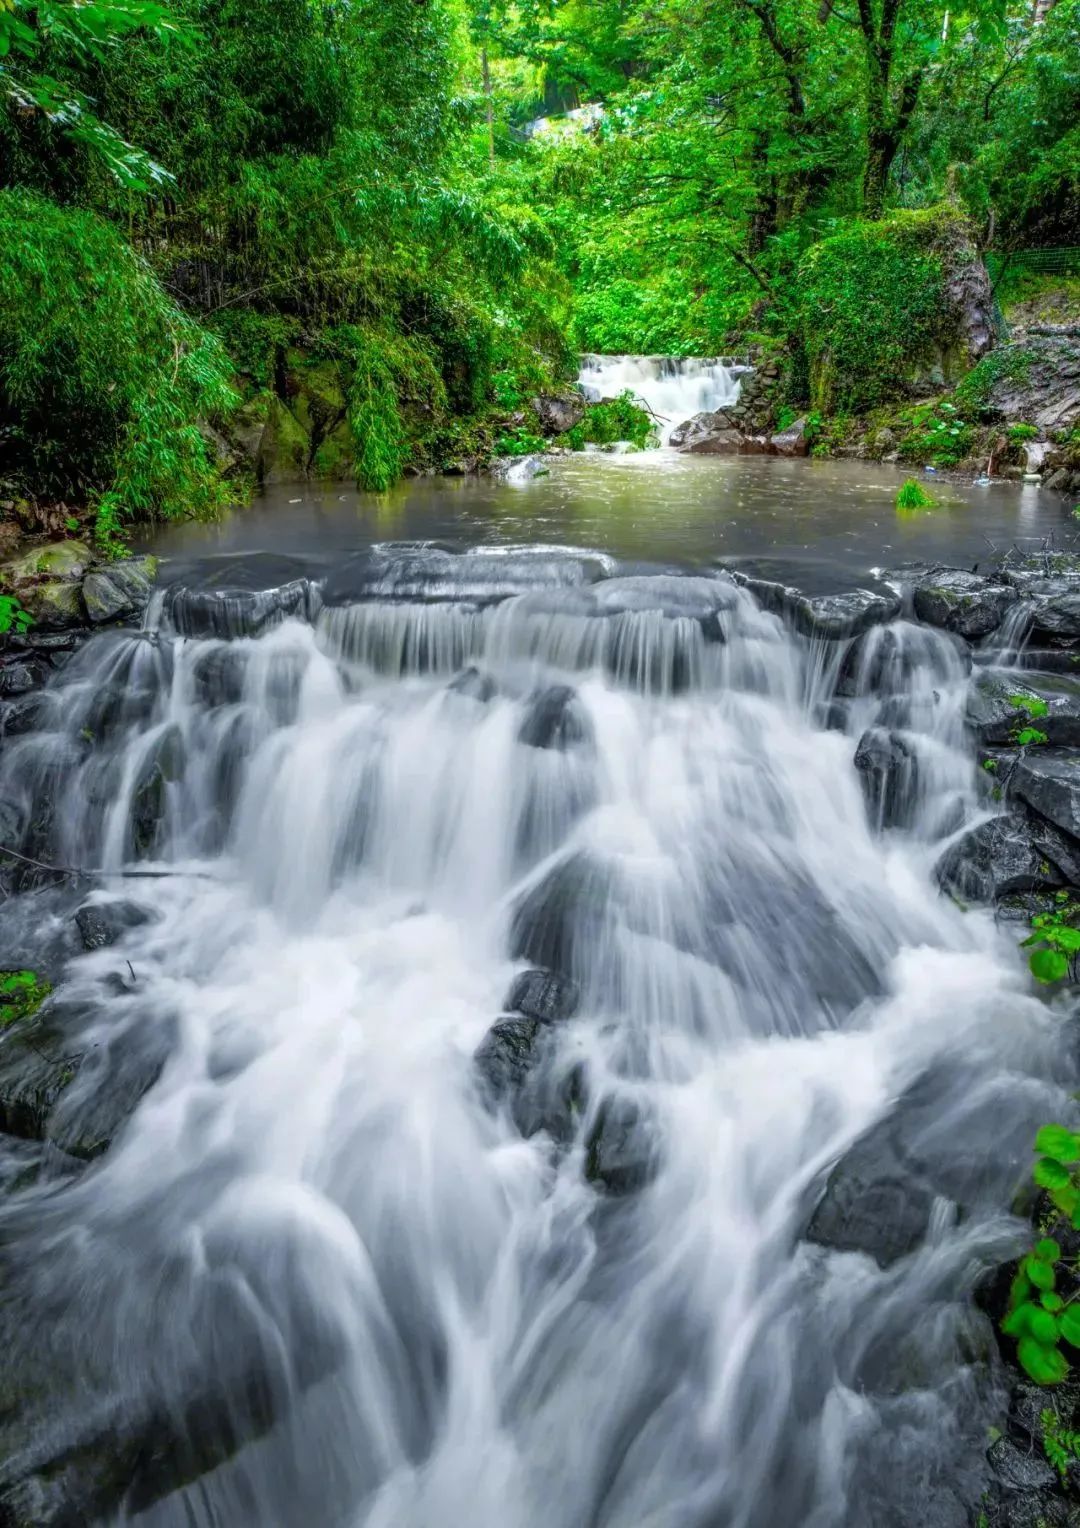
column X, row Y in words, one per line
column 872, row 306
column 21, row 995
column 1010, row 363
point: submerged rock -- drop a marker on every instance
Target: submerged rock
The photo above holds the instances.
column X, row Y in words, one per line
column 101, row 924
column 620, row 1153
column 966, row 603
column 556, row 719
column 474, row 683
column 887, row 764
column 506, row 1053
column 543, row 995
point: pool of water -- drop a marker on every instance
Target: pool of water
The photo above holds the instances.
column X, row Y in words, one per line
column 822, row 524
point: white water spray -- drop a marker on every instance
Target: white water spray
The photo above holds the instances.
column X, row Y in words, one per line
column 346, row 1283
column 673, row 388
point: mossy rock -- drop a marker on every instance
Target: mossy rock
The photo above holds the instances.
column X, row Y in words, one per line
column 285, row 449
column 335, row 456
column 316, row 394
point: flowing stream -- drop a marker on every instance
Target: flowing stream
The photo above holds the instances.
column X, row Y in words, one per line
column 672, row 388
column 355, row 1284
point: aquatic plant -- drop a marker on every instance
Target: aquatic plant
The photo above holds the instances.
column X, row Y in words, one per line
column 912, row 495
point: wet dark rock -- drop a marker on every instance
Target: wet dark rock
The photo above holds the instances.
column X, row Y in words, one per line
column 1056, row 616
column 884, row 659
column 966, row 603
column 474, row 683
column 1048, row 780
column 708, row 434
column 543, row 995
column 1020, row 1469
column 994, row 718
column 163, row 764
column 888, row 768
column 22, row 715
column 507, row 1052
column 20, row 675
column 999, row 858
column 230, row 613
column 562, row 915
column 119, row 590
column 833, row 616
column 102, row 924
column 620, row 1153
column 941, row 1140
column 556, row 719
column 218, row 675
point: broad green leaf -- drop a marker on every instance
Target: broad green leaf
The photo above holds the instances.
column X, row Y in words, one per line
column 1048, row 966
column 1050, row 1174
column 1040, row 1272
column 1069, row 1325
column 1045, row 1365
column 1048, row 1248
column 1051, row 1301
column 1042, row 1326
column 1059, row 1142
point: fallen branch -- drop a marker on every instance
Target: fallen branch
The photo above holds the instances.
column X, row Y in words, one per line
column 91, row 874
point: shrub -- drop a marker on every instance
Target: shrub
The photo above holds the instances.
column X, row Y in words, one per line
column 103, row 380
column 622, row 418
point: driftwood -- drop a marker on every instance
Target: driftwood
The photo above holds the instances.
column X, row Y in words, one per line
column 89, row 874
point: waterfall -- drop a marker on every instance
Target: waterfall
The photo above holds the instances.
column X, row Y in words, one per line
column 674, row 388
column 353, row 1257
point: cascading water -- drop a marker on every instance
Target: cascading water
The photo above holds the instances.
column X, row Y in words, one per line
column 673, row 388
column 332, row 1270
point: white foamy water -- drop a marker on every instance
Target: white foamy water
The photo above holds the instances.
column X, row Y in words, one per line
column 352, row 1286
column 673, row 388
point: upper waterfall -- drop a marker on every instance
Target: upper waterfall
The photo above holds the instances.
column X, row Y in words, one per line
column 673, row 388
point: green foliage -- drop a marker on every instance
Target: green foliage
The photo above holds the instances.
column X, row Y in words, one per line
column 103, row 380
column 12, row 615
column 1060, row 1445
column 1010, row 363
column 603, row 424
column 939, row 435
column 1018, row 434
column 1038, row 1318
column 518, row 442
column 1055, row 939
column 21, row 994
column 872, row 306
column 912, row 495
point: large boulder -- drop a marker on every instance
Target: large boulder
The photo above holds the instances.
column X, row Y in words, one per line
column 966, row 603
column 543, row 995
column 1001, row 858
column 558, row 412
column 792, row 441
column 119, row 590
column 555, row 719
column 834, row 616
column 1001, row 703
column 101, row 924
column 713, row 434
column 1048, row 780
column 1044, row 389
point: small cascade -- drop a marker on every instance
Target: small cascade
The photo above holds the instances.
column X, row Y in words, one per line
column 325, row 1272
column 672, row 388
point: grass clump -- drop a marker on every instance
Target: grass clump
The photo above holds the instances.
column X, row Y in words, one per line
column 911, row 495
column 21, row 995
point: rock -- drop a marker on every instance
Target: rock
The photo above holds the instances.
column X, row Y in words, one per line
column 65, row 561
column 1058, row 480
column 518, row 469
column 1045, row 390
column 54, row 606
column 792, row 441
column 22, row 715
column 832, row 616
column 556, row 719
column 101, row 924
column 229, row 613
column 17, row 676
column 543, row 995
column 506, row 1053
column 965, row 603
column 247, row 427
column 162, row 765
column 994, row 719
column 997, row 859
column 120, row 589
column 559, row 412
column 1056, row 616
column 1048, row 780
column 473, row 683
column 888, row 767
column 620, row 1153
column 285, row 449
column 1020, row 1469
column 709, row 435
column 883, row 660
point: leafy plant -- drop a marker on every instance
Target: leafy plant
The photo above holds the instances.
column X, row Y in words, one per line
column 1038, row 1317
column 1060, row 1444
column 21, row 994
column 912, row 495
column 1054, row 941
column 12, row 615
column 518, row 442
column 603, row 424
